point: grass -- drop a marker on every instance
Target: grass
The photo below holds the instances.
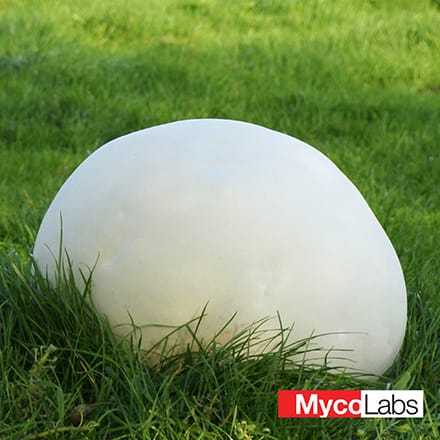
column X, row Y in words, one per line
column 357, row 79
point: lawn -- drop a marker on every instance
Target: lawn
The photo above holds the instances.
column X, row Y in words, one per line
column 358, row 79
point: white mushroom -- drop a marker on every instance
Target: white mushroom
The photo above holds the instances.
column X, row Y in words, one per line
column 238, row 216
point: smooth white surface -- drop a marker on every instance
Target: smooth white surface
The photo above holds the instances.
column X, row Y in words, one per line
column 249, row 219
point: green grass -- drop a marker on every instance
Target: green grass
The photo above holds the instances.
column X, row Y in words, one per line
column 360, row 80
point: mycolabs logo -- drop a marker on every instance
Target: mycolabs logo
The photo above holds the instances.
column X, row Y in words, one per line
column 350, row 403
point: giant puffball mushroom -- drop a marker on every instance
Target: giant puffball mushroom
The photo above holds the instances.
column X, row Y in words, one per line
column 242, row 218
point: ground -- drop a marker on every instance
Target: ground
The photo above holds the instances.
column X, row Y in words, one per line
column 360, row 80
